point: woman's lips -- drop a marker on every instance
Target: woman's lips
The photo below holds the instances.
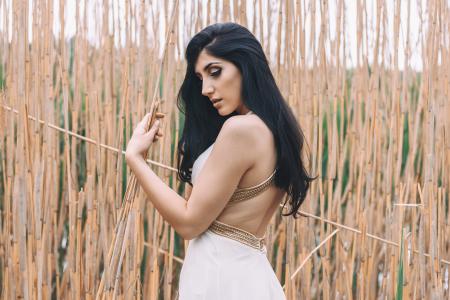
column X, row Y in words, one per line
column 217, row 102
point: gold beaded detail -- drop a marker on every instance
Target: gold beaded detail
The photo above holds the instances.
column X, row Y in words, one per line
column 237, row 234
column 250, row 192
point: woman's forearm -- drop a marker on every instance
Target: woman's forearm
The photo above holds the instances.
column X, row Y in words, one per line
column 169, row 204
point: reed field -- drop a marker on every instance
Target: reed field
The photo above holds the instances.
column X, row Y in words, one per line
column 377, row 128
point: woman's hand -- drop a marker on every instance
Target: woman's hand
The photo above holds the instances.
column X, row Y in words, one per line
column 141, row 139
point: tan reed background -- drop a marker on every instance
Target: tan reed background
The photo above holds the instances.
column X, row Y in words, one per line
column 378, row 137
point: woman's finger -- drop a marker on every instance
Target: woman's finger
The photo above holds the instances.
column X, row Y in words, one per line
column 155, row 127
column 142, row 123
column 145, row 119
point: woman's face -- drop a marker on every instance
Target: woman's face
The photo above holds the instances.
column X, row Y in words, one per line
column 221, row 83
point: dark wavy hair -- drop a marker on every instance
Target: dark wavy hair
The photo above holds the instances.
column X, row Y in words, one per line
column 260, row 94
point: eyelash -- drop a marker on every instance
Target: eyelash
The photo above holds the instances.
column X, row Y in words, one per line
column 214, row 74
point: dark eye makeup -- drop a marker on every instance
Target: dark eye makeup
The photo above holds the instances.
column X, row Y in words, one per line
column 216, row 73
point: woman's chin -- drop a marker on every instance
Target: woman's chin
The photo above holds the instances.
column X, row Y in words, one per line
column 221, row 112
column 224, row 113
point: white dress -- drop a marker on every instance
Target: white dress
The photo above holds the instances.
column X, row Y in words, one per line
column 220, row 267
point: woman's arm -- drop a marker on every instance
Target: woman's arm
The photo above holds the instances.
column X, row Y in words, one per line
column 228, row 161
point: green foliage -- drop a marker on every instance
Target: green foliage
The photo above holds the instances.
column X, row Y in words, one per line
column 399, row 294
column 145, row 254
column 2, row 78
column 339, row 116
column 325, row 146
column 405, row 145
column 346, row 171
column 2, row 179
column 81, row 160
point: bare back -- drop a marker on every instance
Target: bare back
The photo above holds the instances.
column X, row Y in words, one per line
column 254, row 214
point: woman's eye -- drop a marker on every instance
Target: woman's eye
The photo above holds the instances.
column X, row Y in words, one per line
column 216, row 73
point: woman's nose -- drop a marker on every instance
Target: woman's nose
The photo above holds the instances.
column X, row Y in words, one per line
column 207, row 89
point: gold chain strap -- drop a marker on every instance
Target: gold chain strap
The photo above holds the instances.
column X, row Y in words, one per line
column 237, row 234
column 247, row 193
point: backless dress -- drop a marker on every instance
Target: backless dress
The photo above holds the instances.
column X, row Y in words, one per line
column 226, row 262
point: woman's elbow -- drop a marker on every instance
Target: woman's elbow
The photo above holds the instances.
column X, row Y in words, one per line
column 189, row 232
column 186, row 235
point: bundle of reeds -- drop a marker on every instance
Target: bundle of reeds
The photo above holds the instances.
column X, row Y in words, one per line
column 367, row 80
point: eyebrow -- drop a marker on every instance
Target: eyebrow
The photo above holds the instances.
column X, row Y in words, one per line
column 207, row 66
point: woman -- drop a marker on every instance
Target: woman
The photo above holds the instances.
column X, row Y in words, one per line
column 241, row 151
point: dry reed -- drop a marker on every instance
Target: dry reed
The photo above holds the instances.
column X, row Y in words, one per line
column 377, row 129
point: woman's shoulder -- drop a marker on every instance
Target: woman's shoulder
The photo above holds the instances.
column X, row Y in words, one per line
column 249, row 123
column 248, row 126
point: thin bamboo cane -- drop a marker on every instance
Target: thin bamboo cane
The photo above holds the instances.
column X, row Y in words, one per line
column 377, row 132
column 124, row 221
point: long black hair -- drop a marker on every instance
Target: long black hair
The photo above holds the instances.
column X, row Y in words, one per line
column 260, row 94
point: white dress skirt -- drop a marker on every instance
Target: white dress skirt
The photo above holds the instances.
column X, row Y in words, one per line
column 218, row 267
column 226, row 263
